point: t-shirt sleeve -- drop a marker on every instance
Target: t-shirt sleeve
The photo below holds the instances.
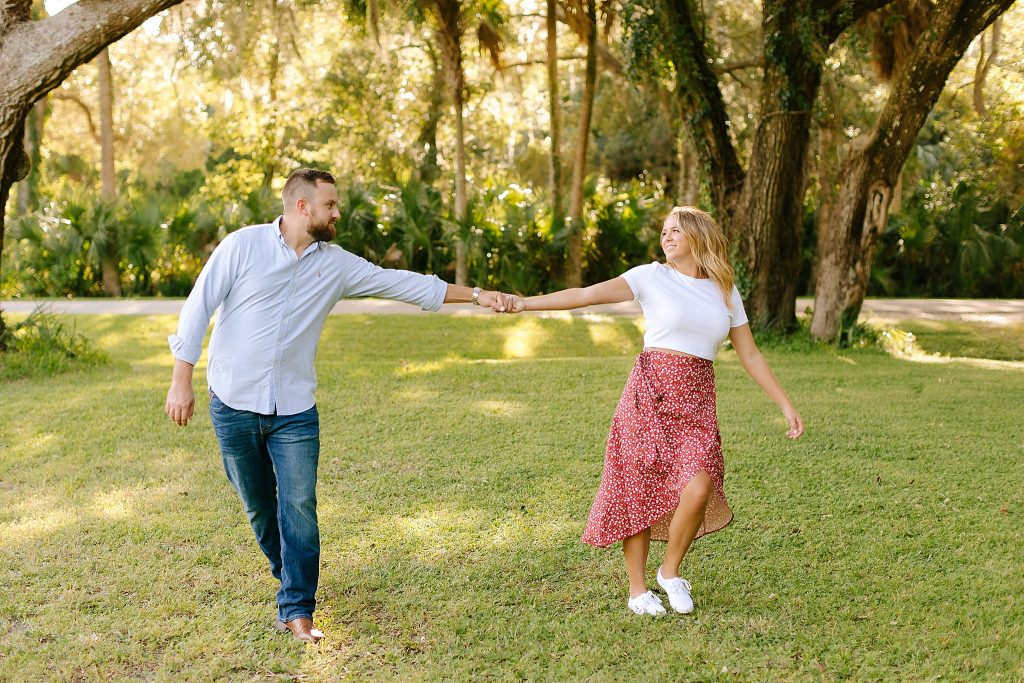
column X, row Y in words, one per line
column 636, row 278
column 739, row 316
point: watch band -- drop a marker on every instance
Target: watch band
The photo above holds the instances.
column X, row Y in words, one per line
column 476, row 296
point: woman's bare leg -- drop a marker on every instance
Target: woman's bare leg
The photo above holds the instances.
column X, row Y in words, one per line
column 688, row 517
column 635, row 549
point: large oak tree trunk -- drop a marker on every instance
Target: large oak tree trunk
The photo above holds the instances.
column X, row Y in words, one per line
column 37, row 55
column 574, row 265
column 766, row 228
column 848, row 240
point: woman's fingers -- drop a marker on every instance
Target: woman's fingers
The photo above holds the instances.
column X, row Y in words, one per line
column 796, row 426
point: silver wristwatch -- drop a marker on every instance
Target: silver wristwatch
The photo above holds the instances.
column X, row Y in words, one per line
column 476, row 296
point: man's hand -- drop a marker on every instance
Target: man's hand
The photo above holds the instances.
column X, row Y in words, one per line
column 181, row 400
column 496, row 301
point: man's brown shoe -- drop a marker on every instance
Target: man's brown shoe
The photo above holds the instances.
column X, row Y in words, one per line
column 302, row 628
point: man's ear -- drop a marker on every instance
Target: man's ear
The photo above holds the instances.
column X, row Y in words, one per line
column 302, row 206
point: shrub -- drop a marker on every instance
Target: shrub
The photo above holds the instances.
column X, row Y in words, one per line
column 41, row 345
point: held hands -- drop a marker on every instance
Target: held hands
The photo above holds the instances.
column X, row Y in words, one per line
column 500, row 302
column 796, row 423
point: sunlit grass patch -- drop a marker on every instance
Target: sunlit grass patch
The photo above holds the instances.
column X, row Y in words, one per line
column 968, row 339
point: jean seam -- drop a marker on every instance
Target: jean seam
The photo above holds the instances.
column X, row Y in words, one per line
column 300, row 615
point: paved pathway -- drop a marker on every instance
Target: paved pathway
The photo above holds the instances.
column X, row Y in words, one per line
column 995, row 311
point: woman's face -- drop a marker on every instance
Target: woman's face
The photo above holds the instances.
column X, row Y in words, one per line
column 673, row 241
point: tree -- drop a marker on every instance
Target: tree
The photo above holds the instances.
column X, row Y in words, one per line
column 574, row 267
column 554, row 108
column 448, row 15
column 870, row 172
column 108, row 259
column 760, row 206
column 37, row 54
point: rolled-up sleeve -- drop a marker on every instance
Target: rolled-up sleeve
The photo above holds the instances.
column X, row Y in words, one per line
column 367, row 279
column 211, row 288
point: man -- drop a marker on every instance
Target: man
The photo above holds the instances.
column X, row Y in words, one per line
column 275, row 285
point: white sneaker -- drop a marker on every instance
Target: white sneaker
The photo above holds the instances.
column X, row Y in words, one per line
column 646, row 603
column 678, row 593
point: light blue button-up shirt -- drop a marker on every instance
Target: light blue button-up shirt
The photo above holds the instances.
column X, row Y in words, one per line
column 272, row 309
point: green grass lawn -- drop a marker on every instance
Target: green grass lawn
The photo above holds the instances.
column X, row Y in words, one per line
column 460, row 458
column 969, row 340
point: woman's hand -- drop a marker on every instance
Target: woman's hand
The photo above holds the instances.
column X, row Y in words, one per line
column 796, row 423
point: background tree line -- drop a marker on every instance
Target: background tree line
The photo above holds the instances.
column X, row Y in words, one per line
column 848, row 147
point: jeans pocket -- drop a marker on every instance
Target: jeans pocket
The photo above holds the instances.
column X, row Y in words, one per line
column 217, row 405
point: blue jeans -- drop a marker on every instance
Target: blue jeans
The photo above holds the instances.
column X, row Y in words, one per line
column 271, row 460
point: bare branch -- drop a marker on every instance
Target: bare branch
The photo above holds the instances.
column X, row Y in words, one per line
column 75, row 99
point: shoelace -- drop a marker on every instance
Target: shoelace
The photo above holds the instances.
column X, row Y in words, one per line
column 648, row 601
column 686, row 584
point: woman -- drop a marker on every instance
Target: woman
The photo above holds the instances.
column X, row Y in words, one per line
column 663, row 469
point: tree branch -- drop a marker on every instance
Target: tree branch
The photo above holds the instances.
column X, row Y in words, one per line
column 74, row 99
column 43, row 53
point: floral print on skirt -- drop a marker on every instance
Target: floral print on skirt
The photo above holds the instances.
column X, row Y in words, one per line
column 664, row 432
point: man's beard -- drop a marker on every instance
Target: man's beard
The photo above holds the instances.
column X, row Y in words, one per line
column 322, row 231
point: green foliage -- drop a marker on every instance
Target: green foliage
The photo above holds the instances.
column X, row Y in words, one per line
column 955, row 240
column 41, row 345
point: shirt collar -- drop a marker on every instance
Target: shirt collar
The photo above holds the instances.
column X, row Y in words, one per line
column 315, row 246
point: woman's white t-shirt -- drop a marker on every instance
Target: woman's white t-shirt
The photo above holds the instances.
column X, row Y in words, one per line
column 683, row 313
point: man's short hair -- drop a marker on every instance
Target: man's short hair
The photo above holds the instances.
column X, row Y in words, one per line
column 301, row 180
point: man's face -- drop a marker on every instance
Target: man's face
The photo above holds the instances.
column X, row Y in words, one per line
column 322, row 212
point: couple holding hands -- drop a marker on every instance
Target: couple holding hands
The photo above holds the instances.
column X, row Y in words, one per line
column 275, row 285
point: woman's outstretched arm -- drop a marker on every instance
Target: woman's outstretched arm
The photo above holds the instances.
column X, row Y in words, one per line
column 757, row 367
column 608, row 292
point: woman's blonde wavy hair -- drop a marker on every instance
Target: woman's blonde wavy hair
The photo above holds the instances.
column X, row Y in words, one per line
column 708, row 245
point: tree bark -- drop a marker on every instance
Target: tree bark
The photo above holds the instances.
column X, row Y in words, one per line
column 37, row 55
column 555, row 115
column 702, row 105
column 108, row 179
column 872, row 166
column 688, row 189
column 984, row 65
column 574, row 266
column 28, row 188
column 373, row 21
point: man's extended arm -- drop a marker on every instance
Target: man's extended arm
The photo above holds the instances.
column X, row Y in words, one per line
column 427, row 291
column 456, row 294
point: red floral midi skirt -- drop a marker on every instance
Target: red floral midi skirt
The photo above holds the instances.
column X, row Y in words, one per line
column 664, row 432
